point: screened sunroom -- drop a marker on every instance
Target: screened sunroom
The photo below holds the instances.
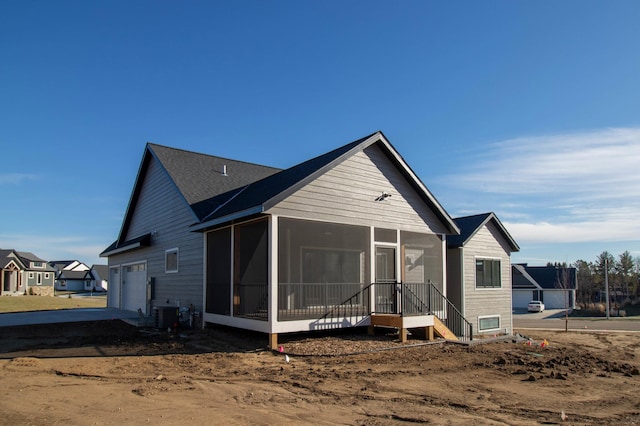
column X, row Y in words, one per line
column 322, row 271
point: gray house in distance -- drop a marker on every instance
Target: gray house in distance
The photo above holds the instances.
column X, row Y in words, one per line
column 479, row 272
column 349, row 238
column 25, row 273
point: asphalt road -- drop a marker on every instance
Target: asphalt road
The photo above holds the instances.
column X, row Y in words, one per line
column 64, row 315
column 554, row 320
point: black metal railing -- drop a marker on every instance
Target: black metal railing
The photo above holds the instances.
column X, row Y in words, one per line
column 299, row 301
column 318, row 300
column 410, row 299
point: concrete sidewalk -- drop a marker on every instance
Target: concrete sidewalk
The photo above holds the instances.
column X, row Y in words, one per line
column 64, row 315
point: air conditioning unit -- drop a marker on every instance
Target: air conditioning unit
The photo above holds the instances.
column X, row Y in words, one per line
column 165, row 316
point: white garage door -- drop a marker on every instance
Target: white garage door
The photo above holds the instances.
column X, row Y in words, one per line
column 521, row 298
column 134, row 287
column 554, row 299
column 113, row 294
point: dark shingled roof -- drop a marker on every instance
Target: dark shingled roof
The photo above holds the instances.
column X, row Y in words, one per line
column 469, row 225
column 72, row 275
column 549, row 277
column 200, row 177
column 249, row 188
column 24, row 258
column 520, row 279
column 257, row 193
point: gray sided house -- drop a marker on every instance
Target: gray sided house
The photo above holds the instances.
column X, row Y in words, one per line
column 555, row 287
column 349, row 238
column 479, row 272
column 25, row 273
column 157, row 260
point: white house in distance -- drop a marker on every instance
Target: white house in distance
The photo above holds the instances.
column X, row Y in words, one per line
column 349, row 238
column 73, row 275
column 554, row 286
column 70, row 274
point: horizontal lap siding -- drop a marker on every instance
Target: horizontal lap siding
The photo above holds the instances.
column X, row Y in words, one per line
column 161, row 209
column 347, row 193
column 487, row 243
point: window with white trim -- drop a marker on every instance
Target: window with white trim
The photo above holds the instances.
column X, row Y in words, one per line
column 39, row 279
column 488, row 273
column 171, row 261
column 30, row 274
column 489, row 323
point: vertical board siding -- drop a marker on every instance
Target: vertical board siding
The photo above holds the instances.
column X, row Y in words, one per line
column 487, row 243
column 347, row 193
column 160, row 209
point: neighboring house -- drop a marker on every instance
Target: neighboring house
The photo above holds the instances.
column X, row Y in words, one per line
column 554, row 286
column 98, row 278
column 349, row 238
column 479, row 272
column 25, row 273
column 71, row 275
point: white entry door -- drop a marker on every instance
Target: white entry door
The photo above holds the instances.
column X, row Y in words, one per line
column 134, row 287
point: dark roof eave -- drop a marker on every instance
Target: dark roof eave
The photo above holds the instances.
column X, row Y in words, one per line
column 205, row 226
column 143, row 241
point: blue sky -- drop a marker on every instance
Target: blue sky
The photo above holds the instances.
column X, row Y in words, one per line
column 529, row 109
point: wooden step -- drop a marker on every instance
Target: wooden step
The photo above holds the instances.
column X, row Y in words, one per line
column 442, row 330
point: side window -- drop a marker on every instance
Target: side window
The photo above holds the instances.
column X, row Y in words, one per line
column 488, row 273
column 171, row 260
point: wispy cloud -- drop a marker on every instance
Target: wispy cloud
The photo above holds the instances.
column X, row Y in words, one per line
column 562, row 188
column 15, row 178
column 599, row 164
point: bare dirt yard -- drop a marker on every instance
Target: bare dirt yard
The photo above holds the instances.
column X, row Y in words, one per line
column 108, row 372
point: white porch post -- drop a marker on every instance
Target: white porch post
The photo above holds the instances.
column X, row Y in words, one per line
column 273, row 280
column 372, row 269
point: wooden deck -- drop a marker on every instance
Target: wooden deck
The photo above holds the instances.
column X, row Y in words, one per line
column 430, row 323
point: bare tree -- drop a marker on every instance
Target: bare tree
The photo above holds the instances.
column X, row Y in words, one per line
column 566, row 280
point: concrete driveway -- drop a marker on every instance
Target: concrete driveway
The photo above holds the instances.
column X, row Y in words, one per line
column 64, row 315
column 553, row 319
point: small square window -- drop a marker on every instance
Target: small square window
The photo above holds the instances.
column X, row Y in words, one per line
column 171, row 260
column 30, row 274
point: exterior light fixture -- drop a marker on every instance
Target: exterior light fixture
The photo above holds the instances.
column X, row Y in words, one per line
column 383, row 196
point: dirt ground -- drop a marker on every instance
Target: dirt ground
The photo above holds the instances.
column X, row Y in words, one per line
column 107, row 373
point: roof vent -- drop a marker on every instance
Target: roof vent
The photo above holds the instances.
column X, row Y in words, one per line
column 224, row 170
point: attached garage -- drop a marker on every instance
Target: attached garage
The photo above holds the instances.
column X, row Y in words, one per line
column 134, row 287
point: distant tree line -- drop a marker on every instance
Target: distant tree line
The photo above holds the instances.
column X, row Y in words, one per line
column 623, row 277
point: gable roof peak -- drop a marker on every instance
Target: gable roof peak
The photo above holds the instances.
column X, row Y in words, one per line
column 470, row 225
column 261, row 195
